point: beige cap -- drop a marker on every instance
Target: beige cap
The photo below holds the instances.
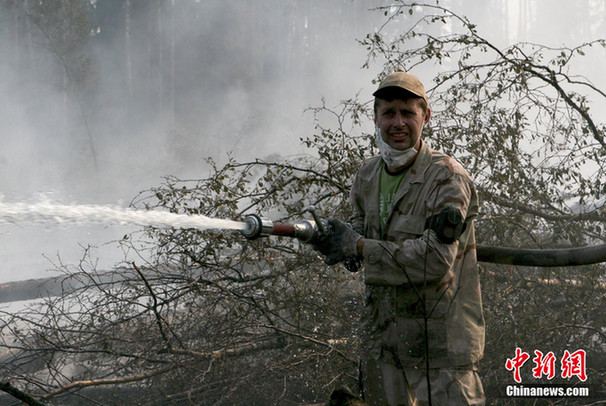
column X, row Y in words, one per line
column 402, row 80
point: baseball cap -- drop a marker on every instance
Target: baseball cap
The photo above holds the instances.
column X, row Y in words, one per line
column 401, row 80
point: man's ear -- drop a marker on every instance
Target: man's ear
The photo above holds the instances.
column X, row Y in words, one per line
column 427, row 115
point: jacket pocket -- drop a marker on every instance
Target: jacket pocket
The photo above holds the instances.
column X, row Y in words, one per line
column 402, row 227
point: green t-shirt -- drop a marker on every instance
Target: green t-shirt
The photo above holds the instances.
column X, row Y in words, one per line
column 388, row 187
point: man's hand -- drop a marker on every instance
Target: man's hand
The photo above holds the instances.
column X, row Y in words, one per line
column 339, row 244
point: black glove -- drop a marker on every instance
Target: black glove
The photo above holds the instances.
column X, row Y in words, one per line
column 339, row 244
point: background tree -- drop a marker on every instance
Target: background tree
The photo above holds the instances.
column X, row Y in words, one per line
column 64, row 28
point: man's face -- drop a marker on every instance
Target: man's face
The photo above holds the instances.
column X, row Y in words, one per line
column 401, row 121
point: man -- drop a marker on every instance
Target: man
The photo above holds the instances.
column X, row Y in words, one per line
column 413, row 209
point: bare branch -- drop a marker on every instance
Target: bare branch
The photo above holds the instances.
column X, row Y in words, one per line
column 18, row 394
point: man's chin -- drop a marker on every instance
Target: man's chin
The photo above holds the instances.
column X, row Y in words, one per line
column 400, row 146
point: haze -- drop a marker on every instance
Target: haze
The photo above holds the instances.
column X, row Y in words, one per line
column 171, row 83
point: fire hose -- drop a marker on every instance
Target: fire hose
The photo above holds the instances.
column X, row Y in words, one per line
column 306, row 230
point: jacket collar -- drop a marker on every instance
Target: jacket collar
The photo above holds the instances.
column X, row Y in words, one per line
column 372, row 174
column 416, row 172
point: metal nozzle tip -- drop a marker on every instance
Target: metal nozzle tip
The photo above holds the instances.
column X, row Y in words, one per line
column 256, row 227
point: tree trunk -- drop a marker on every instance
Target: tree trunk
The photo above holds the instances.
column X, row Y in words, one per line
column 129, row 68
column 172, row 65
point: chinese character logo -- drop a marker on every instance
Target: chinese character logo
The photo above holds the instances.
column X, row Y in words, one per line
column 574, row 364
column 516, row 363
column 544, row 365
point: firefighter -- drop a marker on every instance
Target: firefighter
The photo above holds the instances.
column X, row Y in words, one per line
column 422, row 328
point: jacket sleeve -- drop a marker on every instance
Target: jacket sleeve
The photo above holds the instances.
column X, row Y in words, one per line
column 357, row 218
column 424, row 258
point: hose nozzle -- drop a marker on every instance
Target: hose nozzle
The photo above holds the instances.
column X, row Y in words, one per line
column 256, row 227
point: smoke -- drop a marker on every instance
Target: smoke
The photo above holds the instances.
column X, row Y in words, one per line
column 212, row 78
column 164, row 84
column 156, row 88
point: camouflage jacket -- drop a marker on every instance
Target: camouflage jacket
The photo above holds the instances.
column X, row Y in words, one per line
column 409, row 263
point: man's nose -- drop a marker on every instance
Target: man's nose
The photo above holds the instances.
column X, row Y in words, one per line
column 399, row 120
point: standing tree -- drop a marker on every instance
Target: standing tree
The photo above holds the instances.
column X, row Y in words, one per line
column 65, row 31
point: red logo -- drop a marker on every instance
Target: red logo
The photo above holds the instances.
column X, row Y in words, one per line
column 516, row 363
column 572, row 364
column 544, row 365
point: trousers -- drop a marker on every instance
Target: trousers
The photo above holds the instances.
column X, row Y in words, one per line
column 384, row 383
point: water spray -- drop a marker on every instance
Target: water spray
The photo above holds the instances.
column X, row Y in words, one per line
column 45, row 212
